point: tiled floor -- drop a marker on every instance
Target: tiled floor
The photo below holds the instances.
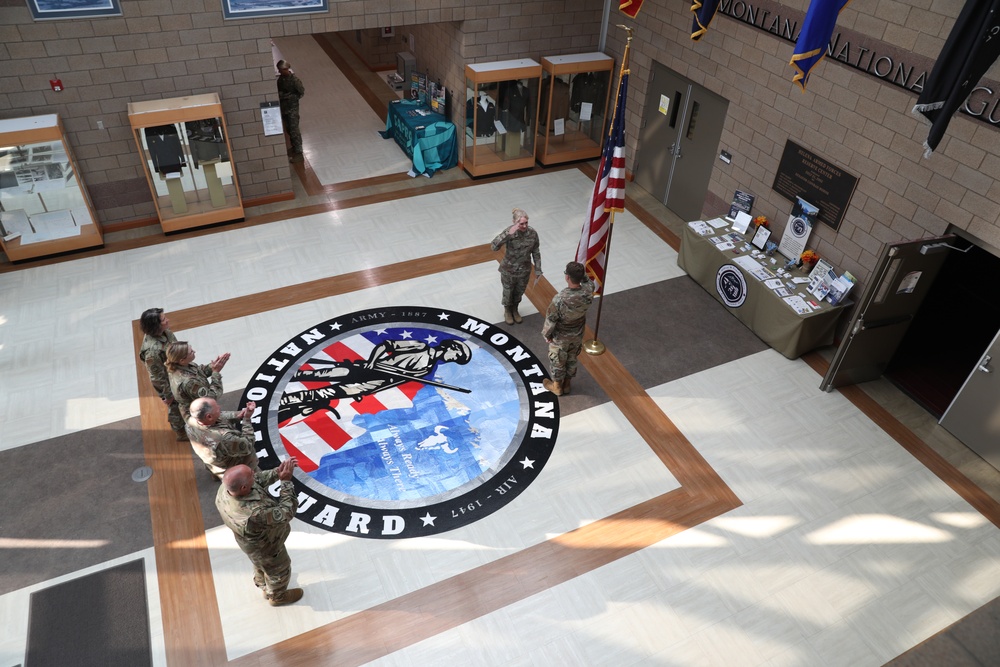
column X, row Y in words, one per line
column 846, row 550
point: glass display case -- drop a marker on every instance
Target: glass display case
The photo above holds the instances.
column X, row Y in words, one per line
column 185, row 151
column 573, row 114
column 501, row 108
column 44, row 207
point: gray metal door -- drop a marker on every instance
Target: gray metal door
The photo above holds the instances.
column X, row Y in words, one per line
column 898, row 286
column 974, row 415
column 682, row 126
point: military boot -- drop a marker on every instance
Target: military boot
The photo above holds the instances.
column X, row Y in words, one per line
column 288, row 597
column 516, row 315
column 508, row 316
column 565, row 385
column 554, row 387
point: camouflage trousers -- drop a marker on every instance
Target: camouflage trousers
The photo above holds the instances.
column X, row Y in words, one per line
column 176, row 420
column 291, row 123
column 513, row 289
column 562, row 358
column 272, row 569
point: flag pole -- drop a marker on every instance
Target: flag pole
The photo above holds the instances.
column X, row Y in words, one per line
column 596, row 347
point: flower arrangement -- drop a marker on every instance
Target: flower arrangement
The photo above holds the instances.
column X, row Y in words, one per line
column 762, row 221
column 808, row 259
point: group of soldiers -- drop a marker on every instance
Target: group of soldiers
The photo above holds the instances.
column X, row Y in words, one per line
column 566, row 316
column 224, row 440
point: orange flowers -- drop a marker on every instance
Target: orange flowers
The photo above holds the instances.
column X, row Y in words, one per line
column 761, row 221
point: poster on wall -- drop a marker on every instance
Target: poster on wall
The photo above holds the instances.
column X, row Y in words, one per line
column 800, row 224
column 73, row 9
column 245, row 9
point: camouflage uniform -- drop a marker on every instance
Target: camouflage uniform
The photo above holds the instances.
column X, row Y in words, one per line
column 290, row 89
column 261, row 524
column 515, row 268
column 153, row 353
column 194, row 381
column 565, row 320
column 226, row 443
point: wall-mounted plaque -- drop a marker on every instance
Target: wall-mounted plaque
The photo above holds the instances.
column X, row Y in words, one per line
column 802, row 173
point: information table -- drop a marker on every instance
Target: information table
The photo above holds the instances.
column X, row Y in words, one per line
column 752, row 302
column 425, row 136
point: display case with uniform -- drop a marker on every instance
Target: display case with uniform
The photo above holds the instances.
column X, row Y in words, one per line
column 501, row 110
column 185, row 151
column 44, row 207
column 574, row 106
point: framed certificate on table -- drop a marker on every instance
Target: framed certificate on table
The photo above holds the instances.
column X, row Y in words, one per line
column 760, row 237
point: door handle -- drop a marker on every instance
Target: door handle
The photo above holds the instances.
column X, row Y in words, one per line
column 982, row 366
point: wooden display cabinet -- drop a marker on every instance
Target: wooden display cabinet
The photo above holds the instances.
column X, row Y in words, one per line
column 44, row 207
column 573, row 114
column 185, row 151
column 501, row 109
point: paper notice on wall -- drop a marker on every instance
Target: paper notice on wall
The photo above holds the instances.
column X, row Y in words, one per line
column 664, row 104
column 270, row 114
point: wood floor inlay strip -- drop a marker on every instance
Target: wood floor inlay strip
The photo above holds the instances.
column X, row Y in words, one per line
column 933, row 461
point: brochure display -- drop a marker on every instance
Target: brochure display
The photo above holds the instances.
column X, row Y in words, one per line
column 574, row 106
column 775, row 304
column 185, row 150
column 501, row 109
column 44, row 207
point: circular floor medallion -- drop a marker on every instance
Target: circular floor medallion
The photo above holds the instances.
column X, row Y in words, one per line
column 405, row 421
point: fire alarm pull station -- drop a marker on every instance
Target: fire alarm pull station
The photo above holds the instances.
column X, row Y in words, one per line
column 56, row 85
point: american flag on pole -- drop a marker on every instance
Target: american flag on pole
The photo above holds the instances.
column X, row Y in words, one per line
column 609, row 195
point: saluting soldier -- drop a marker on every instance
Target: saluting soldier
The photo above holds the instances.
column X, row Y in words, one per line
column 565, row 321
column 261, row 525
column 521, row 248
column 188, row 380
column 157, row 336
column 222, row 439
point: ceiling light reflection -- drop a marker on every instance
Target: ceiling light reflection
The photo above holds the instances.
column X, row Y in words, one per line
column 877, row 529
column 960, row 519
column 756, row 526
column 15, row 543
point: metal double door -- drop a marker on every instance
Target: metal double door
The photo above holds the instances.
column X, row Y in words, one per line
column 681, row 127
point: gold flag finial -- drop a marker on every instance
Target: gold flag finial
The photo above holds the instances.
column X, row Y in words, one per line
column 628, row 29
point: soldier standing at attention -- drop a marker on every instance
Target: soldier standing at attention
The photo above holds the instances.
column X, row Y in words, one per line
column 222, row 439
column 189, row 380
column 565, row 320
column 290, row 89
column 521, row 248
column 261, row 525
column 153, row 353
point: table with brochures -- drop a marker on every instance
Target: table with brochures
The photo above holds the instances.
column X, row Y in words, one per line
column 426, row 136
column 763, row 310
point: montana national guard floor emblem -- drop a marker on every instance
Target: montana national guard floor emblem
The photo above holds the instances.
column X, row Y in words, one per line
column 405, row 421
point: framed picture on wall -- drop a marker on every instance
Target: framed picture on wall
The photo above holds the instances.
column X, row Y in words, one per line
column 245, row 9
column 73, row 9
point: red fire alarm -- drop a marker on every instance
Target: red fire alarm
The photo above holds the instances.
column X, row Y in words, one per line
column 56, row 85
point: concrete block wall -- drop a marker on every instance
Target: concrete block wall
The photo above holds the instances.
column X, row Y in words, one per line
column 172, row 48
column 860, row 123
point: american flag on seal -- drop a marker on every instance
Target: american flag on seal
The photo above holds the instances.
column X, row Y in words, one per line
column 320, row 433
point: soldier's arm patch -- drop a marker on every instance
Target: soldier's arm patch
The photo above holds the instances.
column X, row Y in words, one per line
column 202, row 391
column 277, row 515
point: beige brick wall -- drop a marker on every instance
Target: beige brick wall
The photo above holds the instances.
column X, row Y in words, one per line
column 175, row 48
column 855, row 121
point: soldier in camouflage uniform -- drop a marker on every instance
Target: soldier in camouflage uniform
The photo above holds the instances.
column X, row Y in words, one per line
column 153, row 353
column 521, row 249
column 261, row 524
column 189, row 381
column 290, row 89
column 565, row 320
column 222, row 439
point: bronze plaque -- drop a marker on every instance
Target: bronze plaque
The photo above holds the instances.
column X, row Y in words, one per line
column 802, row 173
